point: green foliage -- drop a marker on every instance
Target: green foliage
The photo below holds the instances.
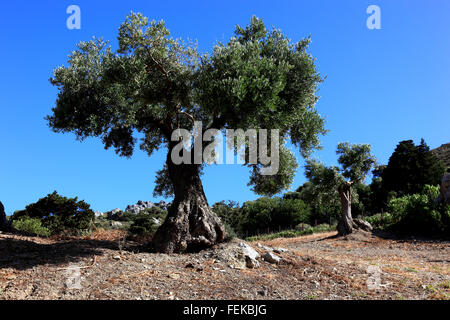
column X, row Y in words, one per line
column 292, row 233
column 303, row 226
column 261, row 214
column 356, row 160
column 272, row 213
column 324, row 203
column 154, row 84
column 380, row 220
column 417, row 213
column 144, row 221
column 273, row 184
column 31, row 225
column 231, row 215
column 322, row 190
column 410, row 168
column 59, row 214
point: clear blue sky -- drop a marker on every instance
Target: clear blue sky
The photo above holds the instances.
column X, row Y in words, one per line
column 382, row 86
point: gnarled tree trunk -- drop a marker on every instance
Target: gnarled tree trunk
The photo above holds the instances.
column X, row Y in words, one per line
column 347, row 224
column 191, row 225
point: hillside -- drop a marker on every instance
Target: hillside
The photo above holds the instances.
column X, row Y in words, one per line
column 443, row 153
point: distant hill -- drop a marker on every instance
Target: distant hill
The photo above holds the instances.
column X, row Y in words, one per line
column 443, row 153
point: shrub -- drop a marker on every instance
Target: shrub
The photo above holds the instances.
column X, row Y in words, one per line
column 273, row 213
column 31, row 225
column 59, row 214
column 231, row 215
column 380, row 220
column 303, row 226
column 144, row 222
column 417, row 213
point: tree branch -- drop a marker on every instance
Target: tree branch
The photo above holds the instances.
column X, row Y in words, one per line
column 187, row 114
column 160, row 68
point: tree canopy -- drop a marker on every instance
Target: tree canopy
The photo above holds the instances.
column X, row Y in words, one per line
column 154, row 84
column 410, row 168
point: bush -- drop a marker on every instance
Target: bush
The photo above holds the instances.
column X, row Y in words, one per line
column 303, row 226
column 380, row 220
column 273, row 213
column 144, row 222
column 59, row 214
column 31, row 225
column 417, row 213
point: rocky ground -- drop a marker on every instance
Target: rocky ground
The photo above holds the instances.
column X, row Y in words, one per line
column 319, row 266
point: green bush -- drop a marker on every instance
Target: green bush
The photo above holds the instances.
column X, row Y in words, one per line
column 143, row 222
column 380, row 220
column 418, row 214
column 31, row 225
column 303, row 226
column 59, row 214
column 272, row 213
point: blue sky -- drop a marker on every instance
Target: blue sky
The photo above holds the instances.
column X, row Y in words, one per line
column 382, row 86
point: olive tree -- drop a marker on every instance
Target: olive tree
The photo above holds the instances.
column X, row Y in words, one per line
column 154, row 84
column 355, row 163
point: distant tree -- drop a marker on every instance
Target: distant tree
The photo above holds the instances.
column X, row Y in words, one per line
column 4, row 225
column 410, row 168
column 154, row 84
column 59, row 214
column 272, row 213
column 324, row 202
column 356, row 161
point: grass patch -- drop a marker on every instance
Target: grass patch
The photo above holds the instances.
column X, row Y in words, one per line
column 292, row 233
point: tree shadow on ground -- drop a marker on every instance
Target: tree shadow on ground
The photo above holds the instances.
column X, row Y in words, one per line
column 402, row 237
column 386, row 235
column 21, row 254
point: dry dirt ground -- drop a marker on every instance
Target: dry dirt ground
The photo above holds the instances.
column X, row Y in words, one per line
column 318, row 266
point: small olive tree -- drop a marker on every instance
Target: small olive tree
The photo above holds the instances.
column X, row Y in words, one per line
column 356, row 162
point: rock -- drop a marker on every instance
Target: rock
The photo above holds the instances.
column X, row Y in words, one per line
column 139, row 206
column 163, row 205
column 116, row 224
column 156, row 221
column 280, row 250
column 363, row 225
column 116, row 257
column 251, row 263
column 444, row 196
column 264, row 247
column 248, row 251
column 263, row 291
column 98, row 214
column 271, row 258
column 174, row 276
column 114, row 214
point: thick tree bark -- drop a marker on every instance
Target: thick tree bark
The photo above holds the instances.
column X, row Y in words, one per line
column 191, row 225
column 347, row 224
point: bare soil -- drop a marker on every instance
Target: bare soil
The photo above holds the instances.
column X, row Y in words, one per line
column 320, row 266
